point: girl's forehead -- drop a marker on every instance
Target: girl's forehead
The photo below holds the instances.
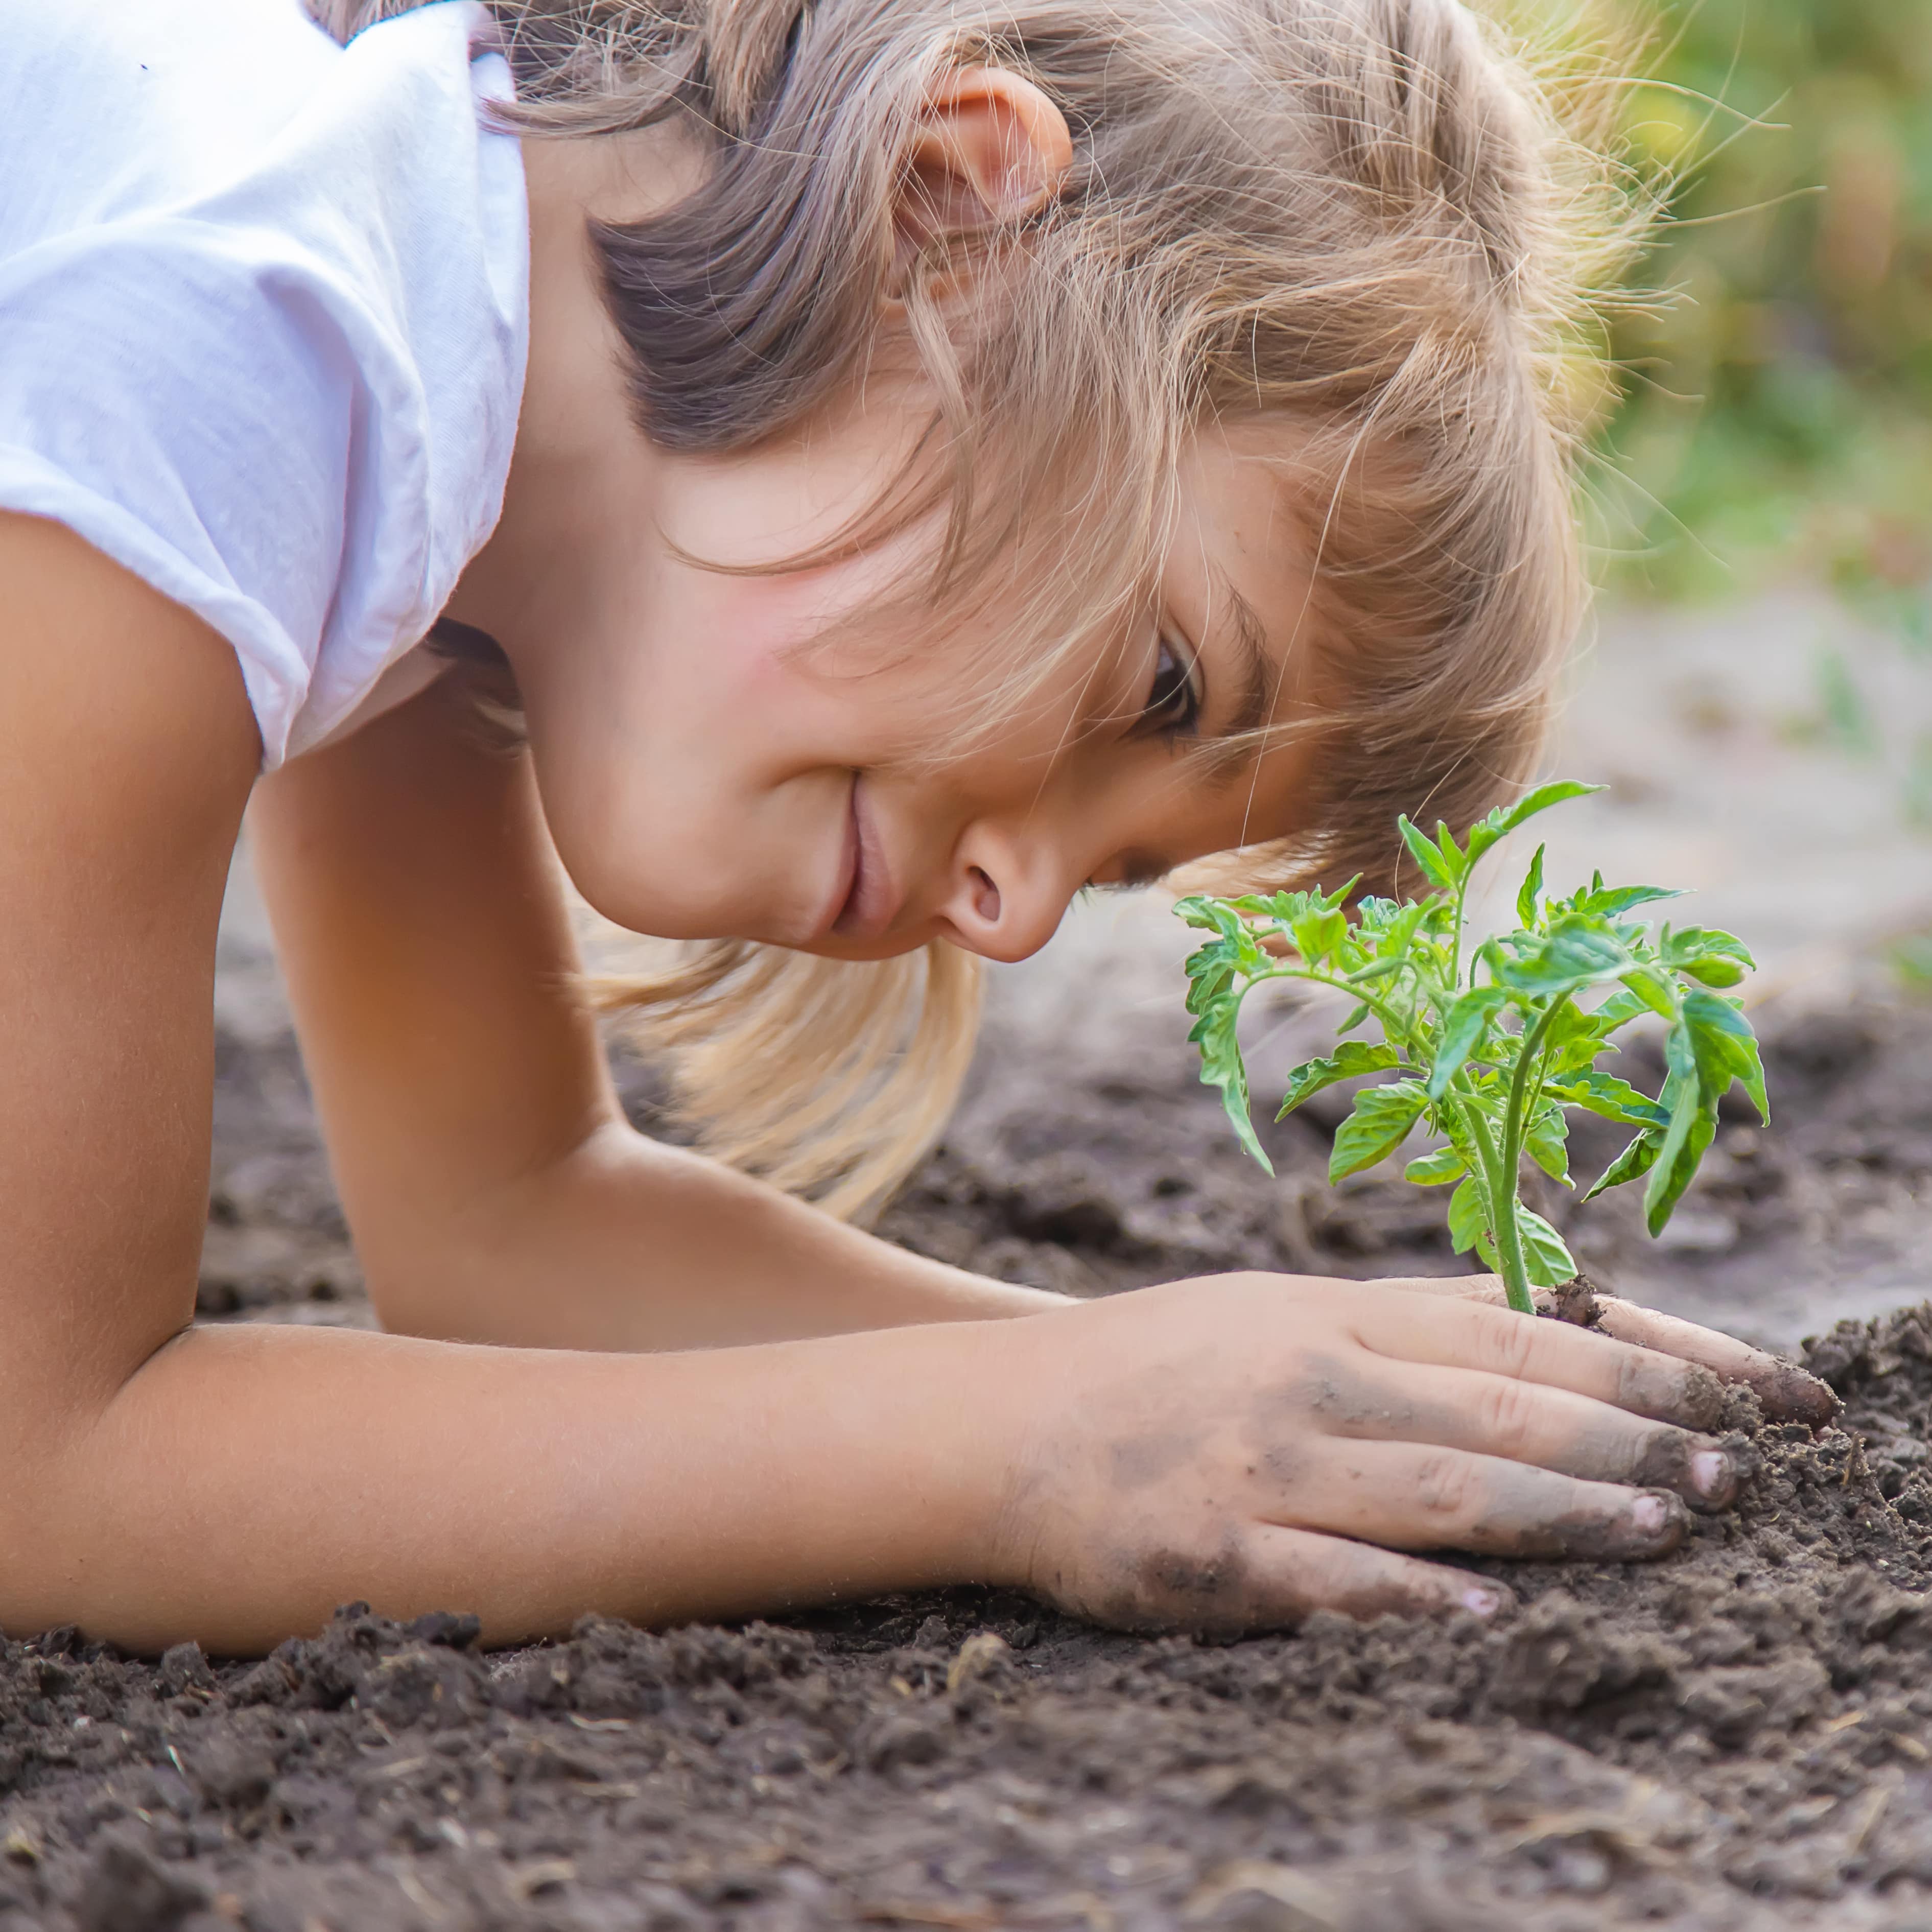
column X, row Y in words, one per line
column 1238, row 568
column 1239, row 479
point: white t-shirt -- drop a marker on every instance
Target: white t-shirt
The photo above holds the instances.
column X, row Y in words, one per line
column 263, row 317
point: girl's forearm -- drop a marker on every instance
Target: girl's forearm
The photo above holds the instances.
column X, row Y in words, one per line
column 248, row 1480
column 628, row 1245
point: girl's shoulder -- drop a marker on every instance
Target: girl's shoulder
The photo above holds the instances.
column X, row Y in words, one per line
column 234, row 113
column 264, row 306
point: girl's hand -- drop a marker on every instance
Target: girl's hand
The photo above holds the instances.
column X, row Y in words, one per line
column 1225, row 1455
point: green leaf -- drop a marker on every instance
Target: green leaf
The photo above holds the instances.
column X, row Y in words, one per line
column 1222, row 1067
column 1579, row 950
column 1215, row 974
column 1504, row 820
column 1653, row 990
column 1532, row 888
column 1725, row 1048
column 1618, row 1011
column 1673, row 1173
column 1210, row 972
column 1752, row 1079
column 1211, row 968
column 1277, row 909
column 1376, row 969
column 1635, row 1162
column 1576, row 1055
column 1547, row 1142
column 1714, row 971
column 1208, row 915
column 1316, row 934
column 1437, row 1168
column 1379, row 1125
column 1545, row 1259
column 1556, row 793
column 1693, row 940
column 1394, row 938
column 1469, row 1219
column 1614, row 1099
column 1437, row 868
column 1466, row 1023
column 1616, row 900
column 1351, row 1061
column 1693, row 1123
column 1573, row 1038
column 1704, row 953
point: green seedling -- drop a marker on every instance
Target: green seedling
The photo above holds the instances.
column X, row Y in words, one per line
column 1490, row 1044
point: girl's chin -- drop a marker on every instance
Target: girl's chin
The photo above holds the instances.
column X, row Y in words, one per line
column 888, row 946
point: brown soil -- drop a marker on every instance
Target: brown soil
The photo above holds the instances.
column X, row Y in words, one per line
column 1739, row 1736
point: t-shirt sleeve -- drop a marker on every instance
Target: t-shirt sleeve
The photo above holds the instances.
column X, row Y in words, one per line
column 207, row 406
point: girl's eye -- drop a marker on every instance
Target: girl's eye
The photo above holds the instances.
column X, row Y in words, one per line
column 1173, row 707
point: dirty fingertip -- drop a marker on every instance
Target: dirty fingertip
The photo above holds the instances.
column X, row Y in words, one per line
column 1714, row 1474
column 1789, row 1394
column 1659, row 1520
column 1702, row 1397
column 1484, row 1600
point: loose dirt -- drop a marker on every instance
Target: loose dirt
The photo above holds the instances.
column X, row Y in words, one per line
column 1739, row 1736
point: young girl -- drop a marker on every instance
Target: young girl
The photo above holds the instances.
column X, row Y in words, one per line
column 900, row 460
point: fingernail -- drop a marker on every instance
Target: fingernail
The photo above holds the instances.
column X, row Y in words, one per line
column 1650, row 1514
column 1483, row 1603
column 1710, row 1471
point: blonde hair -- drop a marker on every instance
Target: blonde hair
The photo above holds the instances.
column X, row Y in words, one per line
column 1363, row 218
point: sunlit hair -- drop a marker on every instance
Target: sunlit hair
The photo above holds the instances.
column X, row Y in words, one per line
column 1368, row 220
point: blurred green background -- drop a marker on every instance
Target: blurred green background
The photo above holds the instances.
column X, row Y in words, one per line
column 1774, row 440
column 1778, row 415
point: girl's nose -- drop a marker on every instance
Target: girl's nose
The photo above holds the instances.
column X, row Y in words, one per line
column 1008, row 897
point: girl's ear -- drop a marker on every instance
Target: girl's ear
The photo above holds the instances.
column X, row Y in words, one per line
column 990, row 147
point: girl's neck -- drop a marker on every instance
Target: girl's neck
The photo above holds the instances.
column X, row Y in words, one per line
column 582, row 479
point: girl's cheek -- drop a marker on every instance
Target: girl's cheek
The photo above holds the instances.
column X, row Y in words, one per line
column 747, row 634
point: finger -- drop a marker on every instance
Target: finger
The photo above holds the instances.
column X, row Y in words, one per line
column 1785, row 1392
column 1451, row 1287
column 1410, row 1496
column 1576, row 1301
column 1272, row 1576
column 1467, row 1334
column 1294, row 1572
column 1525, row 1422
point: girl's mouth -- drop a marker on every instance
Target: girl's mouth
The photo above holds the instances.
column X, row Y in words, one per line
column 845, row 884
column 868, row 904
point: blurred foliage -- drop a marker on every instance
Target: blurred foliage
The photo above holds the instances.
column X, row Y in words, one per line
column 1778, row 420
column 1911, row 959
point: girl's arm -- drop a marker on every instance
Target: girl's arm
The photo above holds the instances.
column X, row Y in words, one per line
column 496, row 1192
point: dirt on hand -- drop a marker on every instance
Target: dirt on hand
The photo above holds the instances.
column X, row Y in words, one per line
column 1738, row 1736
